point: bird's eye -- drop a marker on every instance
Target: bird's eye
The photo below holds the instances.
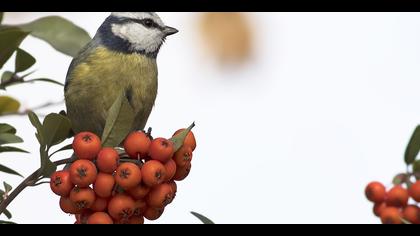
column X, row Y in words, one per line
column 148, row 23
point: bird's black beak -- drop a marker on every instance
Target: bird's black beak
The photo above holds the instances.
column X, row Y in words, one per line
column 169, row 31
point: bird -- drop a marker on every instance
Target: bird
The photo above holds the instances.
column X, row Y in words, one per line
column 120, row 58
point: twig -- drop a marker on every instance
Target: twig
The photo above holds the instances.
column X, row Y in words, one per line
column 29, row 181
column 43, row 182
column 26, row 111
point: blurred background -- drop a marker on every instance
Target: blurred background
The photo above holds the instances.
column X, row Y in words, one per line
column 295, row 112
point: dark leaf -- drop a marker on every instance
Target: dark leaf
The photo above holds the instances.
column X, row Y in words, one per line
column 203, row 219
column 119, row 122
column 55, row 128
column 9, row 138
column 10, row 39
column 6, row 128
column 413, row 147
column 49, row 168
column 60, row 33
column 3, row 222
column 11, row 149
column 37, row 124
column 7, row 187
column 6, row 77
column 8, row 105
column 8, row 170
column 1, row 16
column 7, row 214
column 24, row 60
column 178, row 140
column 44, row 80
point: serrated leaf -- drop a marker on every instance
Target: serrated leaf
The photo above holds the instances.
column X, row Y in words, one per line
column 178, row 139
column 7, row 187
column 23, row 60
column 7, row 214
column 202, row 218
column 119, row 122
column 6, row 138
column 33, row 118
column 6, row 128
column 8, row 170
column 10, row 39
column 56, row 128
column 60, row 33
column 11, row 149
column 45, row 80
column 413, row 147
column 8, row 105
column 4, row 222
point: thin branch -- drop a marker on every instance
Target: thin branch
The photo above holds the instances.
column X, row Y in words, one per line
column 39, row 183
column 29, row 181
column 27, row 110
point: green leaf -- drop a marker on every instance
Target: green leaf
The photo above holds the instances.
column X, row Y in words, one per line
column 11, row 149
column 406, row 222
column 416, row 166
column 44, row 80
column 8, row 105
column 119, row 122
column 10, row 39
column 56, row 128
column 33, row 118
column 24, row 60
column 3, row 222
column 67, row 147
column 60, row 33
column 6, row 76
column 203, row 219
column 7, row 214
column 49, row 168
column 8, row 170
column 7, row 187
column 178, row 140
column 9, row 138
column 413, row 147
column 6, row 128
column 400, row 179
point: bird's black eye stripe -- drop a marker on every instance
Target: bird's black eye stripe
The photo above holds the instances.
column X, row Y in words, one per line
column 147, row 22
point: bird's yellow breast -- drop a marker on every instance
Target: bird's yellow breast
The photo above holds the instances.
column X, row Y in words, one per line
column 96, row 81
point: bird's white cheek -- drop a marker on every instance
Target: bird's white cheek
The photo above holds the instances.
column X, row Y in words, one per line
column 140, row 38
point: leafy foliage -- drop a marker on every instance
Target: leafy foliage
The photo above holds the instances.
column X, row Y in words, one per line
column 413, row 147
column 118, row 123
column 202, row 218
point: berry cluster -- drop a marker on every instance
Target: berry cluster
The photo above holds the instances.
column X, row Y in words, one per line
column 392, row 206
column 104, row 186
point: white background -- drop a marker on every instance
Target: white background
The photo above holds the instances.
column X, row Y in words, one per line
column 327, row 105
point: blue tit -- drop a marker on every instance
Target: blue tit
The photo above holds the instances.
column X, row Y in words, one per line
column 121, row 58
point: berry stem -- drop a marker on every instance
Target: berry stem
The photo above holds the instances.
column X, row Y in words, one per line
column 29, row 181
